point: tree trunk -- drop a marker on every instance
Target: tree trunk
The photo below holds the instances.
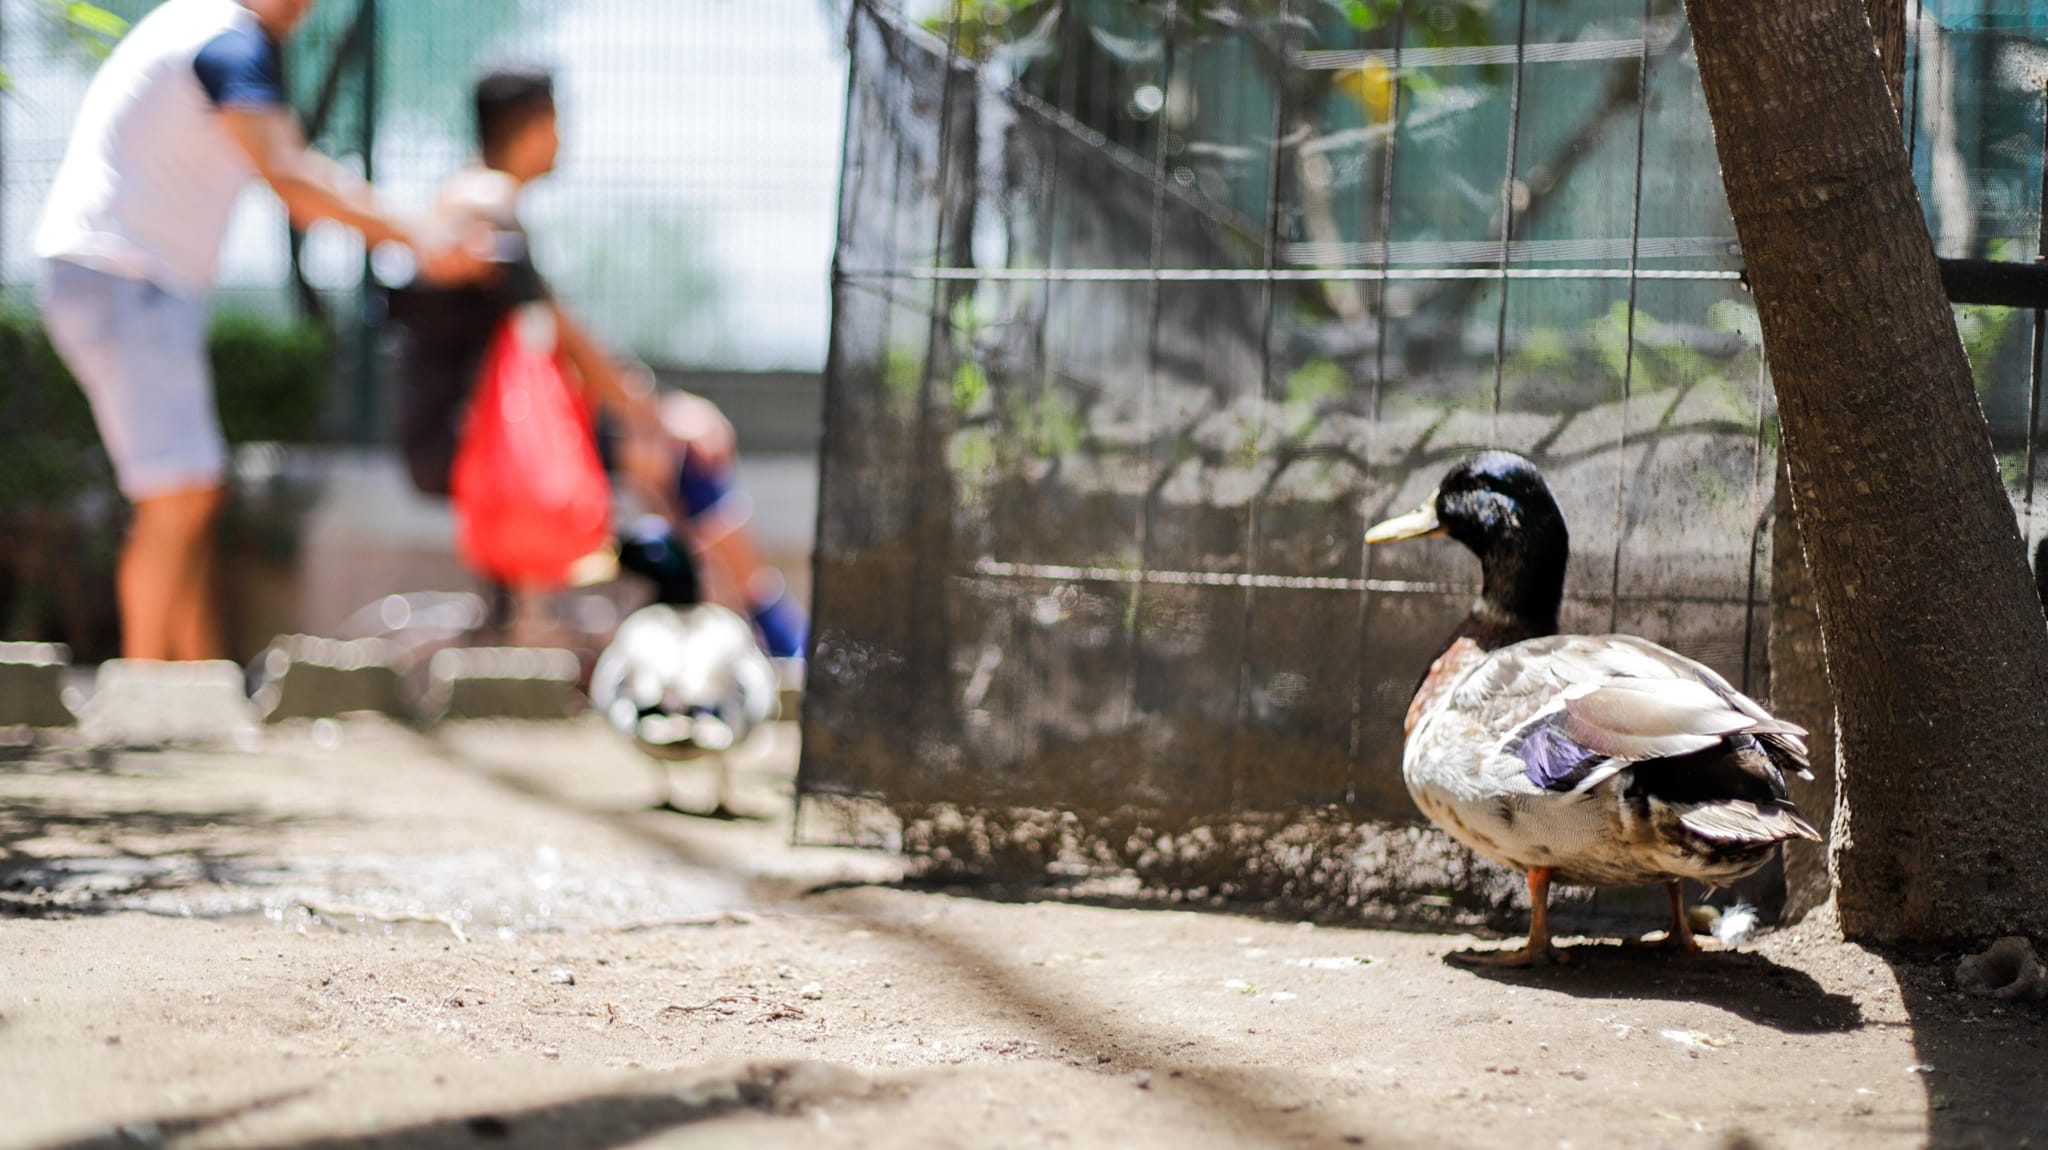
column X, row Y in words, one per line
column 1888, row 27
column 1799, row 678
column 1799, row 692
column 1934, row 641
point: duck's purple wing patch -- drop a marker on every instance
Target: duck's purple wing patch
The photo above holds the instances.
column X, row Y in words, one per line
column 1552, row 760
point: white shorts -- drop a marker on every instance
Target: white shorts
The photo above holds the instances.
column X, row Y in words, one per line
column 139, row 353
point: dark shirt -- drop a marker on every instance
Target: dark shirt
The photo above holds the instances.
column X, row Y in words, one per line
column 239, row 69
column 445, row 333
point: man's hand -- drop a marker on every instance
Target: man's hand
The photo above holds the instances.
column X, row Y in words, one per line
column 449, row 258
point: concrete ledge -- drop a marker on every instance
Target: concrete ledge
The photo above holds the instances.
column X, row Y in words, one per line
column 503, row 683
column 306, row 677
column 32, row 685
column 140, row 703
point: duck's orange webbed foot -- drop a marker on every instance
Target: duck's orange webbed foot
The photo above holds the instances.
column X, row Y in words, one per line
column 1538, row 951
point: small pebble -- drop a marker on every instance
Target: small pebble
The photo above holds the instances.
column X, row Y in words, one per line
column 562, row 977
column 812, row 990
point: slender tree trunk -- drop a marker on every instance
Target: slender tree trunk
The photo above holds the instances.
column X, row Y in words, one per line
column 1888, row 28
column 1933, row 638
column 1800, row 692
column 1799, row 678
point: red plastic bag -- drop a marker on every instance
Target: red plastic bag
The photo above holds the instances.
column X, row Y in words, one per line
column 531, row 497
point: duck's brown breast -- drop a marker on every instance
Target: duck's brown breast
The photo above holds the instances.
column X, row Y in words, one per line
column 1454, row 662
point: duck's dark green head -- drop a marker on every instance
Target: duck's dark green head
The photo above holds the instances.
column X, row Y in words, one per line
column 1497, row 505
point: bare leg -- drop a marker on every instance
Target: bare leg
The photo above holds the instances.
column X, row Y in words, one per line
column 165, row 578
column 1538, row 950
column 730, row 546
column 701, row 499
column 196, row 629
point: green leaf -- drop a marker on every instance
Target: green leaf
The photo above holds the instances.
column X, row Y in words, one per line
column 970, row 384
column 95, row 19
column 1361, row 15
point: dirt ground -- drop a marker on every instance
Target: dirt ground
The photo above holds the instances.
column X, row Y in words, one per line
column 360, row 935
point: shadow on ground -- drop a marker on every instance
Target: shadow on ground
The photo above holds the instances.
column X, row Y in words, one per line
column 1984, row 1063
column 597, row 1122
column 1743, row 983
column 60, row 858
column 1232, row 1095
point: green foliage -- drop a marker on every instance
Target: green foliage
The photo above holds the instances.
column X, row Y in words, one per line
column 1318, row 379
column 1309, row 387
column 970, row 387
column 49, row 449
column 91, row 27
column 1984, row 330
column 271, row 378
column 903, row 374
column 1057, row 428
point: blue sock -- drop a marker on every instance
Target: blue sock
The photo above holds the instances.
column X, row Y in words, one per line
column 784, row 628
column 702, row 489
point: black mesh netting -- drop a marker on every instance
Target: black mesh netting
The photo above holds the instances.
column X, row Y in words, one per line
column 1144, row 312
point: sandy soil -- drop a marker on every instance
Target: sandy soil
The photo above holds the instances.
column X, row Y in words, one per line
column 366, row 936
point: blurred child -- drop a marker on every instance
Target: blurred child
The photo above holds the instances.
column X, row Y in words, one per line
column 676, row 451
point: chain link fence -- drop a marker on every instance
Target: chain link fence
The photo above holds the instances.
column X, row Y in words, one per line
column 1143, row 312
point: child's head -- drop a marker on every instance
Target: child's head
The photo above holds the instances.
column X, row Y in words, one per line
column 515, row 121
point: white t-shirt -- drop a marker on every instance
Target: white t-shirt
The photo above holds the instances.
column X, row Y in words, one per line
column 150, row 178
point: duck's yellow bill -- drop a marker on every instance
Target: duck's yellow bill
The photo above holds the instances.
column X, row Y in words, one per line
column 1414, row 525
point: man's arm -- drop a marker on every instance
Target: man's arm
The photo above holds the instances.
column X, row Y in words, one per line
column 311, row 186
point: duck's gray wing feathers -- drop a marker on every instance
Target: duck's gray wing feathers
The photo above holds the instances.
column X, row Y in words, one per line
column 1584, row 707
column 1741, row 821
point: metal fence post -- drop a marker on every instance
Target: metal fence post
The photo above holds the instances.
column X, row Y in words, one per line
column 369, row 300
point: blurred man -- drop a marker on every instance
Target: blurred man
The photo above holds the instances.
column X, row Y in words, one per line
column 676, row 450
column 188, row 107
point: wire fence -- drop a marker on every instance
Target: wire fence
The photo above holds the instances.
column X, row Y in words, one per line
column 1145, row 311
column 691, row 219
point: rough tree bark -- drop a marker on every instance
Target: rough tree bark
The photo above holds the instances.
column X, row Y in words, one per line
column 1933, row 639
column 1799, row 678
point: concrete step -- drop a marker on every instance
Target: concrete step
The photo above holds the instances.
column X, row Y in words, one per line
column 32, row 685
column 306, row 677
column 503, row 683
column 143, row 703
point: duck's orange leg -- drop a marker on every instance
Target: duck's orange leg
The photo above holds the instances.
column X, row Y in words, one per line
column 1538, row 949
column 1679, row 937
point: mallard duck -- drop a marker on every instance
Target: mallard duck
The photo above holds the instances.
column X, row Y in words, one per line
column 682, row 678
column 1587, row 760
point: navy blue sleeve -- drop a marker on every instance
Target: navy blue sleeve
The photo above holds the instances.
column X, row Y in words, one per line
column 239, row 68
